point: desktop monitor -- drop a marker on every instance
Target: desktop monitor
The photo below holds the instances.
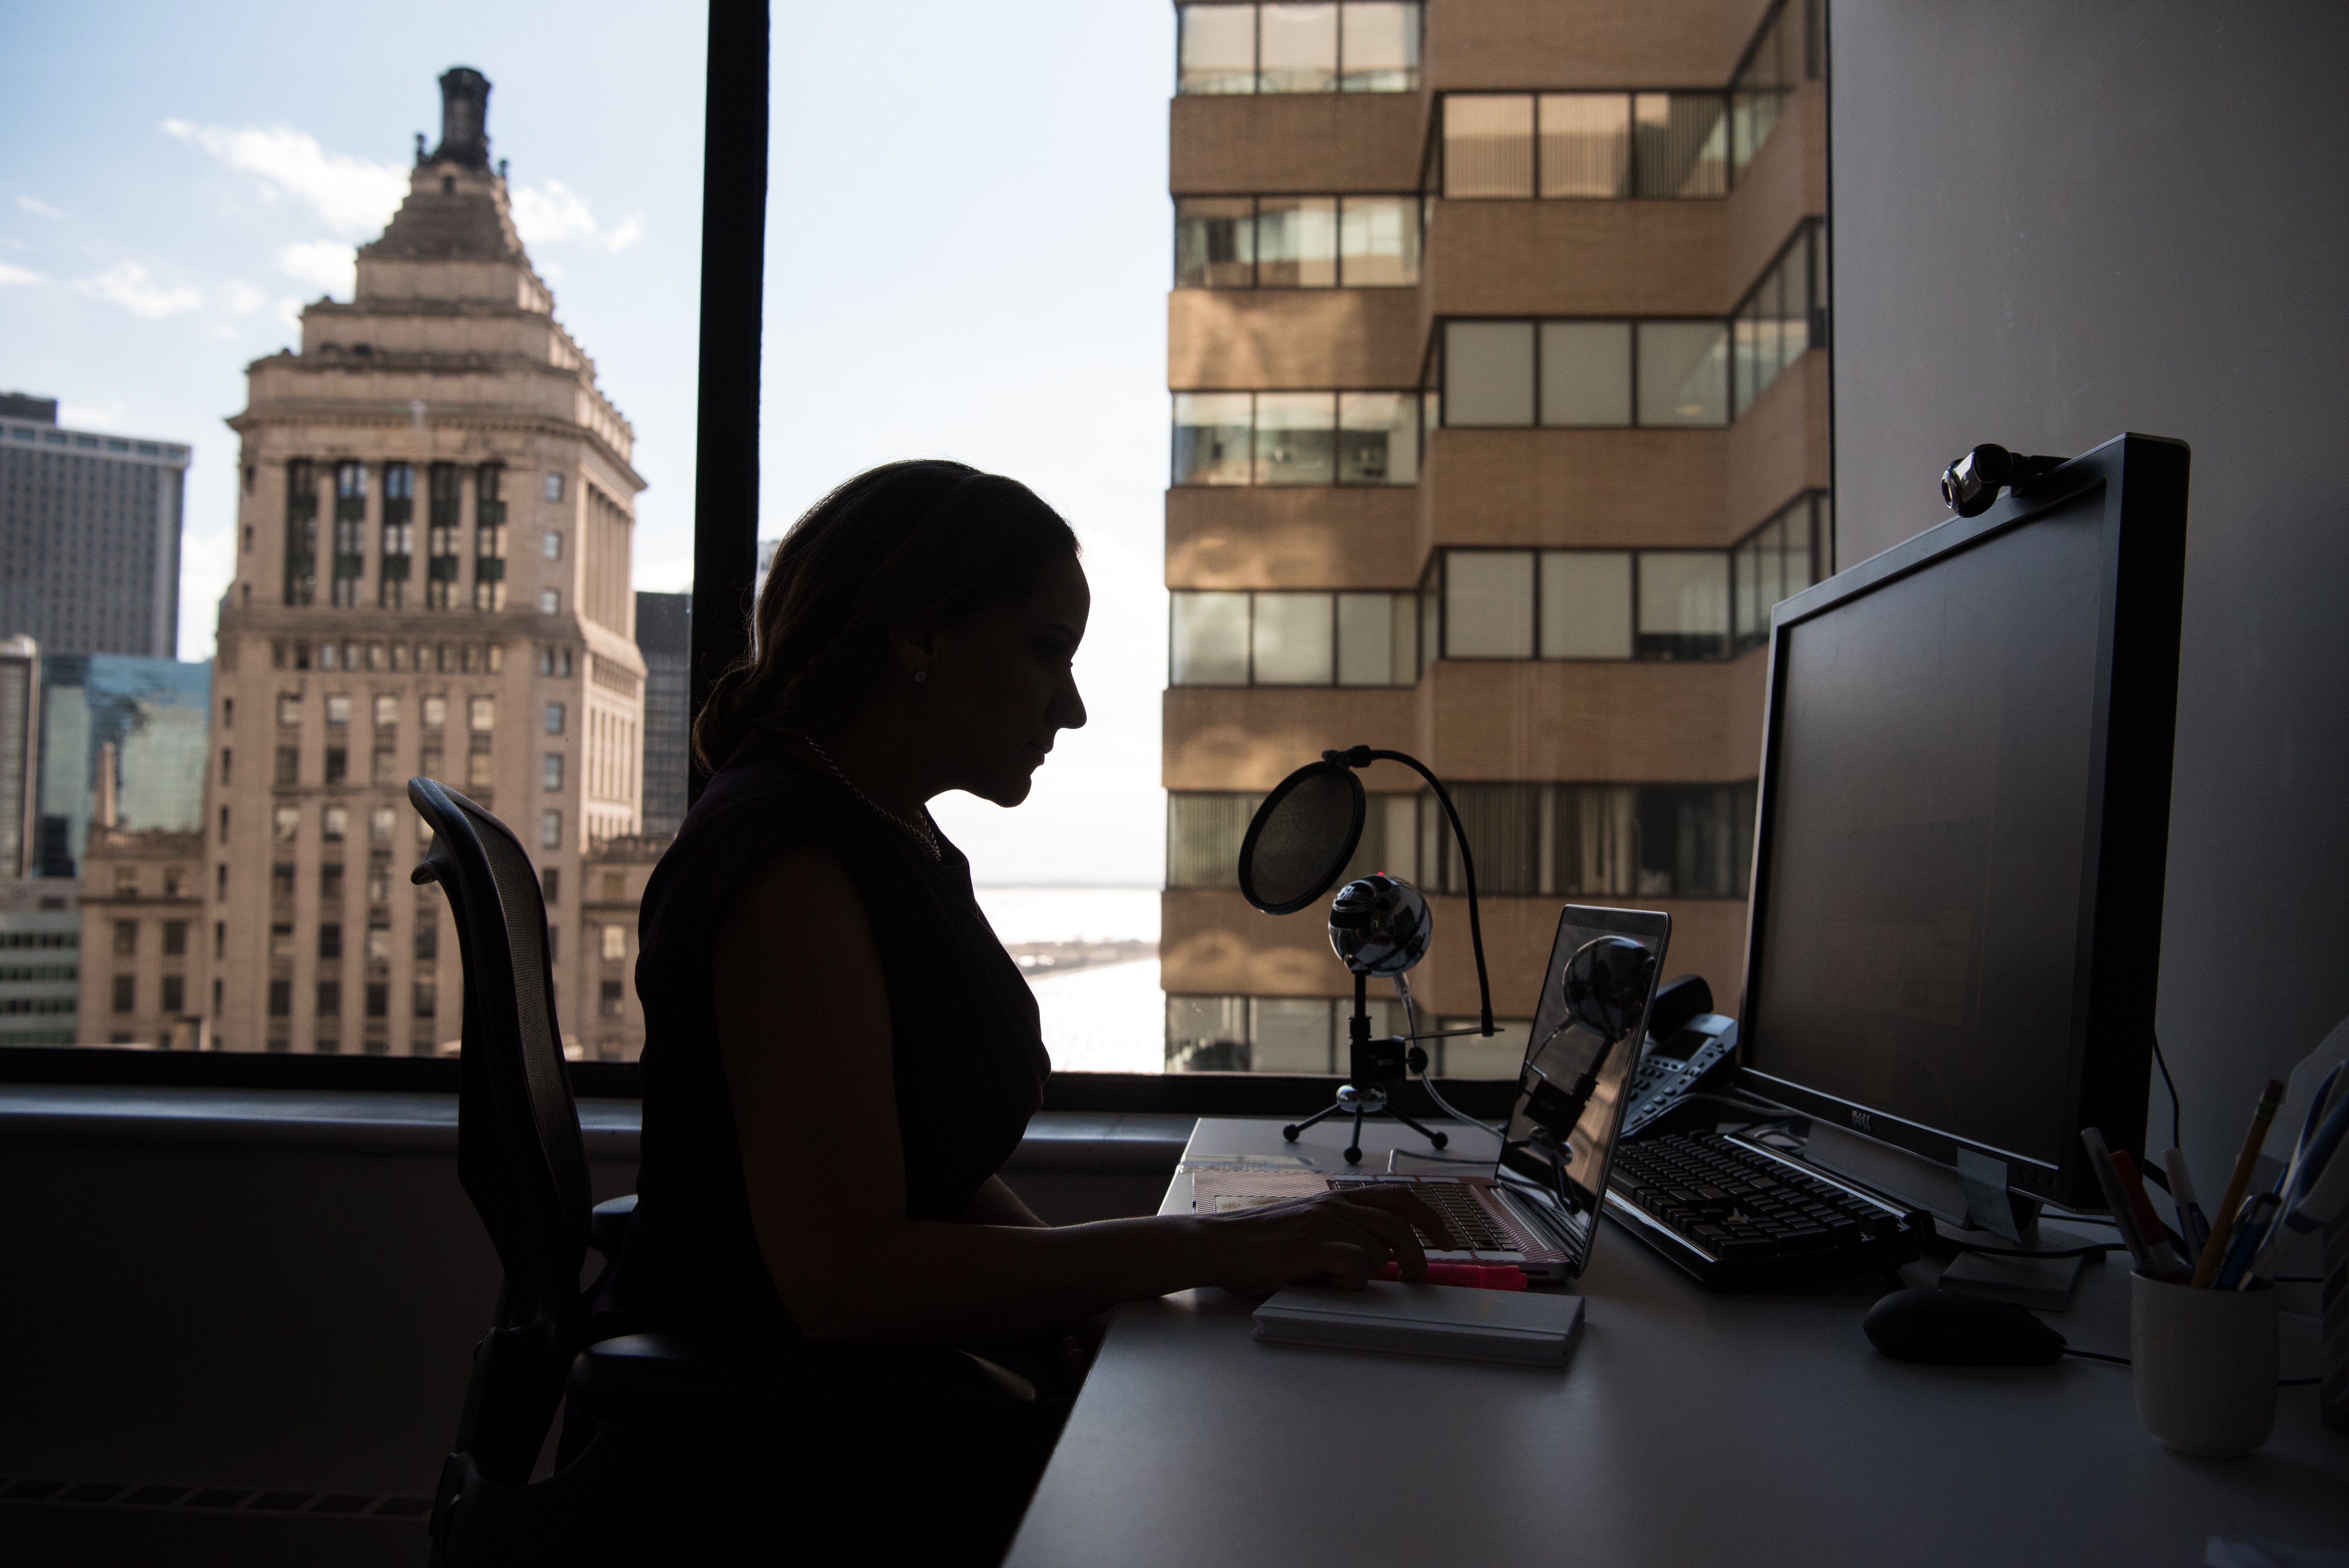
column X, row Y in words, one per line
column 1954, row 936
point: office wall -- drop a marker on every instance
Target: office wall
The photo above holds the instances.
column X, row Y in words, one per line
column 2055, row 224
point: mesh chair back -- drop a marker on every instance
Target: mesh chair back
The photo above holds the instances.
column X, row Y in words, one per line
column 520, row 1156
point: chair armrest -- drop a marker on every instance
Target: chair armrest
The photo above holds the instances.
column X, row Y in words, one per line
column 607, row 1225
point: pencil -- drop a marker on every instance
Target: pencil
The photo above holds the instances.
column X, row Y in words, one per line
column 2214, row 1251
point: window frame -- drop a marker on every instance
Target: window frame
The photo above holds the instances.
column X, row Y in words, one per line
column 1438, row 148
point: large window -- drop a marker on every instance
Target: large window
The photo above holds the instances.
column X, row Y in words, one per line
column 1297, row 437
column 1662, row 604
column 1667, row 374
column 1584, row 146
column 1357, row 47
column 351, row 531
column 1296, row 241
column 1596, row 840
column 1294, row 639
column 301, row 532
column 399, row 534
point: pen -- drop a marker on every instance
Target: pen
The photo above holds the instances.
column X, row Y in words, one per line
column 2100, row 1160
column 2259, row 1213
column 2191, row 1224
column 2214, row 1251
column 2157, row 1241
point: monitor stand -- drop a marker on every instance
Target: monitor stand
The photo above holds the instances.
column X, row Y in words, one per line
column 1905, row 1178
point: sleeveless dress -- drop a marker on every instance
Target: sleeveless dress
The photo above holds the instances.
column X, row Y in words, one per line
column 969, row 1060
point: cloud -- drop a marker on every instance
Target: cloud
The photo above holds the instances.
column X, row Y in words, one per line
column 556, row 215
column 91, row 415
column 354, row 196
column 132, row 286
column 289, row 311
column 329, row 266
column 238, row 297
column 33, row 204
column 15, row 275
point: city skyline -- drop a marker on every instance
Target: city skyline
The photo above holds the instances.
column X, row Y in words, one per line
column 169, row 222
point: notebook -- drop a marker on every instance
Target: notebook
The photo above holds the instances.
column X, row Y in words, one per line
column 1517, row 1328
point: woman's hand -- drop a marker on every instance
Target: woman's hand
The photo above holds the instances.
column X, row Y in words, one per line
column 1331, row 1238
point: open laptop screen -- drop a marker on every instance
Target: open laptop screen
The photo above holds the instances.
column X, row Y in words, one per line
column 1571, row 1094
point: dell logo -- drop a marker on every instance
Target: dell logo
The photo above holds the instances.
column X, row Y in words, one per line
column 1860, row 1120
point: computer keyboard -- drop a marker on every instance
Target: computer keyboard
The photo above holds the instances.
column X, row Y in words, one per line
column 1740, row 1217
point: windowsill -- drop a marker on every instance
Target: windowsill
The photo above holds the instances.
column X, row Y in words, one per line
column 396, row 1122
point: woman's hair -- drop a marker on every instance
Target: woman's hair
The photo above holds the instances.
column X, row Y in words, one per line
column 925, row 542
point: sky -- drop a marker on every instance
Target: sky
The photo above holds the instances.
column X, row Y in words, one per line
column 966, row 257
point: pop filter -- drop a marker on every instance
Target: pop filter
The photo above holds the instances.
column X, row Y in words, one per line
column 1300, row 838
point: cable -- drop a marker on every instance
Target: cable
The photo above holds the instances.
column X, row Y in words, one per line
column 1410, row 1027
column 2097, row 1355
column 2176, row 1140
column 2094, row 1248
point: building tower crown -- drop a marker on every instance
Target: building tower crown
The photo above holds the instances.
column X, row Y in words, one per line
column 464, row 119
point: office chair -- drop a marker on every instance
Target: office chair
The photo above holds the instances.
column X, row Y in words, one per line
column 667, row 1438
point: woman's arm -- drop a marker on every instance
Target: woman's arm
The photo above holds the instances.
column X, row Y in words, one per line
column 803, row 1030
column 995, row 1204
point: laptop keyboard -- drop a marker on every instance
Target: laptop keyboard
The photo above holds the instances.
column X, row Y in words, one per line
column 1738, row 1204
column 1458, row 1208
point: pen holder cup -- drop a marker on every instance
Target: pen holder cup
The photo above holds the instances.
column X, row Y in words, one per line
column 2204, row 1362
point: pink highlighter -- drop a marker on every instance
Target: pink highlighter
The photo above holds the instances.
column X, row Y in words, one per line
column 1475, row 1276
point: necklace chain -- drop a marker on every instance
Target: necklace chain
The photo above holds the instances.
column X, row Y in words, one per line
column 924, row 834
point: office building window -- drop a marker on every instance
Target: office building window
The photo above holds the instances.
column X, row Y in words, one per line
column 281, row 998
column 1585, row 373
column 550, row 829
column 424, row 999
column 289, row 709
column 175, row 994
column 480, row 770
column 554, row 714
column 553, row 488
column 398, row 535
column 338, row 764
column 1363, row 46
column 175, row 939
column 1787, row 51
column 330, row 940
column 551, row 771
column 386, row 711
column 444, row 519
column 1272, row 1034
column 1777, row 560
column 301, row 532
column 428, row 939
column 1351, row 639
column 126, row 939
column 350, row 531
column 330, row 1001
column 481, row 714
column 380, row 823
column 553, row 661
column 550, row 601
column 1583, row 146
column 1297, row 437
column 285, row 823
column 334, row 824
column 1296, row 241
column 1597, row 840
column 338, row 710
column 615, row 941
column 384, row 770
column 434, row 712
column 609, row 999
column 550, row 545
column 1783, row 317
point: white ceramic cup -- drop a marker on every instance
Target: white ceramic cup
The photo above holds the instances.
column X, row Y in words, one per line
column 2205, row 1366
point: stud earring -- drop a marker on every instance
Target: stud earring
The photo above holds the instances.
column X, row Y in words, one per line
column 920, row 676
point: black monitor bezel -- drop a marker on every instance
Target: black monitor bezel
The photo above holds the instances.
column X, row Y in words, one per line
column 2144, row 483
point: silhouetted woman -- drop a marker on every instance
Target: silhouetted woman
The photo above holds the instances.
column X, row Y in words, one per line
column 839, row 1054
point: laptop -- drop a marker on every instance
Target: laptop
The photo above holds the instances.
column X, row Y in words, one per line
column 1537, row 1205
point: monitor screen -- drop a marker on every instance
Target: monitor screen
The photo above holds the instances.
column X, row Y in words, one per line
column 1571, row 1094
column 1930, row 831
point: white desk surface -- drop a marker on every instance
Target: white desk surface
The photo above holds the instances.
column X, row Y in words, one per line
column 1688, row 1429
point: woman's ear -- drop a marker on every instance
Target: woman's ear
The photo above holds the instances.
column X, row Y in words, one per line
column 916, row 650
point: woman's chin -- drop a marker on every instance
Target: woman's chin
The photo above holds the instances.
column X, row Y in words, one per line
column 1007, row 791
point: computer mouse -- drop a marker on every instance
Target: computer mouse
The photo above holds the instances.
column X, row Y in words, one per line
column 1951, row 1329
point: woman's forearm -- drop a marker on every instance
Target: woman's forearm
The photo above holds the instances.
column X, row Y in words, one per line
column 927, row 1280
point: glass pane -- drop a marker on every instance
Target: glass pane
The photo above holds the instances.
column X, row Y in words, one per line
column 1501, row 1055
column 1586, row 144
column 1214, row 242
column 1210, row 639
column 1488, row 145
column 1296, row 438
column 1207, row 1034
column 1586, row 372
column 1585, row 604
column 1683, row 144
column 1366, row 640
column 1597, row 835
column 1695, row 841
column 1378, row 439
column 1292, row 1035
column 1299, row 49
column 1488, row 373
column 1293, row 636
column 1683, row 603
column 1381, row 45
column 1211, row 438
column 1488, row 604
column 1503, row 822
column 1683, row 373
column 1753, row 610
column 1799, row 572
column 1378, row 242
column 1218, row 50
column 1296, row 241
column 1203, row 837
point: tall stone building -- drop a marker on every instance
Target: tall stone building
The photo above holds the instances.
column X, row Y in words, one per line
column 435, row 510
column 1497, row 431
column 90, row 534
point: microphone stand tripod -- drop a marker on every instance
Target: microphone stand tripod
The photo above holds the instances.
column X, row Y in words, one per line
column 1370, row 1066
